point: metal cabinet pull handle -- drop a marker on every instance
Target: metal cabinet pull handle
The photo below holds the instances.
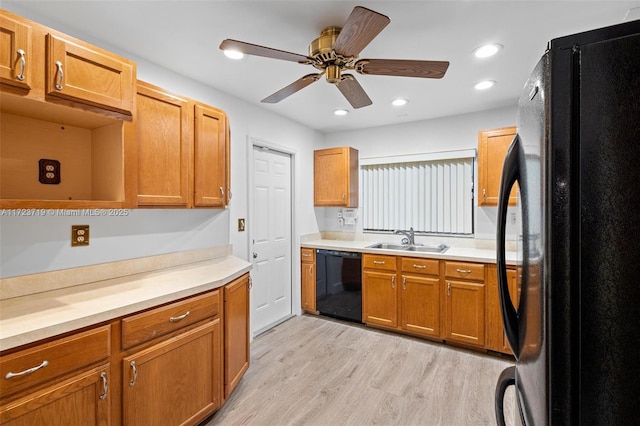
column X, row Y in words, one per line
column 60, row 75
column 105, row 385
column 484, row 194
column 378, row 262
column 464, row 271
column 250, row 283
column 134, row 370
column 311, row 270
column 420, row 266
column 404, row 283
column 393, row 281
column 23, row 64
column 181, row 317
column 344, row 196
column 222, row 191
column 306, row 255
column 27, row 371
column 448, row 289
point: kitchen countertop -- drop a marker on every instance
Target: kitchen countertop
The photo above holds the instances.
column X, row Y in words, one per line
column 29, row 318
column 468, row 254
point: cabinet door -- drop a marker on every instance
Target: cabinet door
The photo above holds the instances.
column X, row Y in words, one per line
column 236, row 333
column 81, row 400
column 176, row 382
column 420, row 305
column 380, row 298
column 492, row 148
column 465, row 311
column 308, row 280
column 84, row 73
column 514, row 293
column 210, row 158
column 164, row 138
column 17, row 57
column 336, row 177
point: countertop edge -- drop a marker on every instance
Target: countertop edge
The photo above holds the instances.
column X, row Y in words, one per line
column 19, row 330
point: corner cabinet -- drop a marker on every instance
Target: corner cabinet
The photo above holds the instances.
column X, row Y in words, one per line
column 62, row 106
column 335, row 174
column 308, row 279
column 492, row 148
column 183, row 150
column 496, row 338
column 236, row 332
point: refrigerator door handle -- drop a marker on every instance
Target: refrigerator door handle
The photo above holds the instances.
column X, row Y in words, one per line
column 510, row 174
column 507, row 378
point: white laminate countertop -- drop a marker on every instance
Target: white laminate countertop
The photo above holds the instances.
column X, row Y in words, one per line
column 33, row 317
column 468, row 254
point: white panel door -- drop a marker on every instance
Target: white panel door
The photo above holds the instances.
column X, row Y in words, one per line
column 271, row 238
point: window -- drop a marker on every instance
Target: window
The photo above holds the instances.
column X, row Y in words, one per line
column 433, row 193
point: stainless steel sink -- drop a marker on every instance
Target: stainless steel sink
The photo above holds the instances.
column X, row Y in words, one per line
column 428, row 249
column 417, row 248
column 387, row 246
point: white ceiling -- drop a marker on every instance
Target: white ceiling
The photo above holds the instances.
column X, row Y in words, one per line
column 184, row 36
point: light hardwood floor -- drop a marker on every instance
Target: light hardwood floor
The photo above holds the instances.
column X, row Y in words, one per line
column 316, row 371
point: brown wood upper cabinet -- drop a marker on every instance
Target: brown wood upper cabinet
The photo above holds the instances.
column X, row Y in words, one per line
column 492, row 148
column 183, row 150
column 335, row 173
column 62, row 105
column 42, row 64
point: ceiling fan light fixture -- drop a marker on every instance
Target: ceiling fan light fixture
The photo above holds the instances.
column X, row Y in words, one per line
column 399, row 102
column 483, row 85
column 233, row 54
column 487, row 50
column 340, row 112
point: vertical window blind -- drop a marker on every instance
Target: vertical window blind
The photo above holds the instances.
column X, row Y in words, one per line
column 433, row 196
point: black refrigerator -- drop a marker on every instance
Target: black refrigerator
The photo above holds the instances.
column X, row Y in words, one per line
column 575, row 331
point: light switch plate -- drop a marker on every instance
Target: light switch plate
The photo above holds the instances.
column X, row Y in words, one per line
column 79, row 235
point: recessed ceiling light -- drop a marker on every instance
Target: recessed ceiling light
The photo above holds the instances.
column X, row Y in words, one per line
column 399, row 102
column 341, row 112
column 234, row 54
column 487, row 50
column 484, row 84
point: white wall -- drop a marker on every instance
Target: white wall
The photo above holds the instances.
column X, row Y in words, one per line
column 441, row 134
column 39, row 244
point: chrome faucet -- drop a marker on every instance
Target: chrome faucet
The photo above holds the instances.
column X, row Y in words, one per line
column 409, row 234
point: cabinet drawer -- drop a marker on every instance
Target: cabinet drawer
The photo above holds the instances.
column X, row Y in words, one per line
column 36, row 365
column 308, row 254
column 380, row 262
column 464, row 270
column 148, row 325
column 420, row 266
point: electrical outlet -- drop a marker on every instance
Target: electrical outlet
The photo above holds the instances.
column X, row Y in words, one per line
column 241, row 225
column 49, row 171
column 79, row 235
column 512, row 218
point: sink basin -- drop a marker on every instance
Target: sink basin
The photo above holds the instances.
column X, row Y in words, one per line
column 417, row 248
column 428, row 249
column 388, row 246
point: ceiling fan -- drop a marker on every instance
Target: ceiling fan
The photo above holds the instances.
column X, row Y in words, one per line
column 336, row 51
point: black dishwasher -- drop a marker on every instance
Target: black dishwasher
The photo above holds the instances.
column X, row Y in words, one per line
column 339, row 284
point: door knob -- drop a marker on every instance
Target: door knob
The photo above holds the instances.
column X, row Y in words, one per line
column 255, row 255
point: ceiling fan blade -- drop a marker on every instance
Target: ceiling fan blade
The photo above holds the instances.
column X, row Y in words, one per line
column 297, row 85
column 267, row 52
column 362, row 26
column 352, row 90
column 402, row 68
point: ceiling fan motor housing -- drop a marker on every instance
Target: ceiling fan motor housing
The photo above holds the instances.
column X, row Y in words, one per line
column 322, row 47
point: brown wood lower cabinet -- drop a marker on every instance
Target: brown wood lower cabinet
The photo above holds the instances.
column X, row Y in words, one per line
column 308, row 279
column 464, row 303
column 420, row 296
column 496, row 338
column 174, row 364
column 83, row 399
column 379, row 293
column 236, row 333
column 175, row 382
